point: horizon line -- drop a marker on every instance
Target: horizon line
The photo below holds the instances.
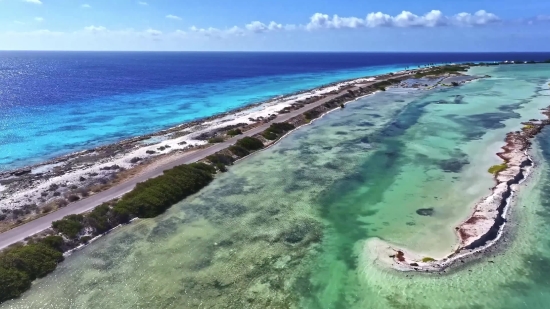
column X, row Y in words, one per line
column 275, row 51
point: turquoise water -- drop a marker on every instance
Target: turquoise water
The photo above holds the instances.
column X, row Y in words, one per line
column 32, row 134
column 296, row 225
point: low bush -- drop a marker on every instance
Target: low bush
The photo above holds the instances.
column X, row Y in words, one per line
column 20, row 265
column 69, row 226
column 154, row 196
column 239, row 151
column 495, row 169
column 250, row 143
column 220, row 159
column 72, row 198
column 270, row 135
column 215, row 140
column 310, row 115
column 234, row 132
column 277, row 130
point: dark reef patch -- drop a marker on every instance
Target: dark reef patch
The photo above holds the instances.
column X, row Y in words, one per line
column 425, row 212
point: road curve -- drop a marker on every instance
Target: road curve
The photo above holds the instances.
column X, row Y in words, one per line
column 30, row 228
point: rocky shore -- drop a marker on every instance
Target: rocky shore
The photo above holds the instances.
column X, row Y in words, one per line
column 485, row 225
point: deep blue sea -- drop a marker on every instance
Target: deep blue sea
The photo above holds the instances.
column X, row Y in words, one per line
column 54, row 103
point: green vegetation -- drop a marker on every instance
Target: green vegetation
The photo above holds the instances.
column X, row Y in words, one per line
column 220, row 161
column 276, row 130
column 70, row 226
column 234, row 132
column 447, row 69
column 312, row 114
column 215, row 140
column 428, row 259
column 495, row 169
column 239, row 151
column 21, row 264
column 528, row 127
column 250, row 143
column 154, row 196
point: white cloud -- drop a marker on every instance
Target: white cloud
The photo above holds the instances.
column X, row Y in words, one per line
column 142, row 3
column 33, row 1
column 211, row 32
column 174, row 17
column 478, row 18
column 404, row 19
column 259, row 27
column 18, row 22
column 153, row 32
column 86, row 6
column 95, row 29
column 256, row 26
column 39, row 19
column 235, row 31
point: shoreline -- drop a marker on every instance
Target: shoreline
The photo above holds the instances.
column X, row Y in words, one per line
column 62, row 182
column 486, row 224
column 88, row 172
column 84, row 174
column 515, row 154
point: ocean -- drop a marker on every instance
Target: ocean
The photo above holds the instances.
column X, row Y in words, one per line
column 293, row 226
column 54, row 103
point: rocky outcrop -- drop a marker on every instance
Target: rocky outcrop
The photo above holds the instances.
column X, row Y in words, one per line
column 484, row 226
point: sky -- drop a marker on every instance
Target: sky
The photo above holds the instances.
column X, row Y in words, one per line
column 276, row 25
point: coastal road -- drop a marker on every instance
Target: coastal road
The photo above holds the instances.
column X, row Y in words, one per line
column 30, row 228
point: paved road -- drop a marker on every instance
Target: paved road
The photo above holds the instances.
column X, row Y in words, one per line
column 28, row 229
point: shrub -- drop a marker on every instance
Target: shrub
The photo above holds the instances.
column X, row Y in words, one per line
column 215, row 140
column 309, row 115
column 154, row 196
column 35, row 260
column 69, row 226
column 495, row 169
column 239, row 151
column 234, row 132
column 219, row 158
column 53, row 241
column 221, row 167
column 46, row 209
column 250, row 143
column 22, row 264
column 72, row 198
column 12, row 283
column 269, row 135
column 276, row 130
column 428, row 259
column 98, row 219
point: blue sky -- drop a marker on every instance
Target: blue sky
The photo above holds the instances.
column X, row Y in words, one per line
column 275, row 25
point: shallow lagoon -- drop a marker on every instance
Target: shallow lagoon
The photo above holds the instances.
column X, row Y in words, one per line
column 290, row 226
